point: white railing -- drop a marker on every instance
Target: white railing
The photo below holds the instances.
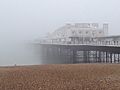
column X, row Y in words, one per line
column 84, row 43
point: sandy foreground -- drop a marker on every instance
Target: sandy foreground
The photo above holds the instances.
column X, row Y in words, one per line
column 61, row 77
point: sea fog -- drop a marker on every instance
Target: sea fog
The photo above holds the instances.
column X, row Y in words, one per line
column 22, row 53
column 23, row 21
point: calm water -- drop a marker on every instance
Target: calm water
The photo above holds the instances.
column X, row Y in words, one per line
column 18, row 53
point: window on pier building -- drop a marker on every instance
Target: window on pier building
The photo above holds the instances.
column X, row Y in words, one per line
column 87, row 32
column 93, row 33
column 100, row 32
column 80, row 32
column 73, row 32
column 117, row 42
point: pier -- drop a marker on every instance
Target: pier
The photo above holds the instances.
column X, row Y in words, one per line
column 80, row 43
column 69, row 54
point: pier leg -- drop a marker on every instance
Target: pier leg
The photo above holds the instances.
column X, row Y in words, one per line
column 106, row 57
column 111, row 57
column 103, row 57
column 88, row 56
column 74, row 56
column 85, row 56
column 118, row 57
column 99, row 58
column 114, row 58
column 96, row 59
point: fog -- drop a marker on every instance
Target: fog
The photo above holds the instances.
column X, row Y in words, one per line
column 22, row 21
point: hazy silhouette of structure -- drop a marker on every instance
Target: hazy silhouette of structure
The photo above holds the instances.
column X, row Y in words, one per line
column 80, row 43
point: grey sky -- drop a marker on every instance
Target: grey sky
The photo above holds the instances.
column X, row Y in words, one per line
column 32, row 18
column 28, row 19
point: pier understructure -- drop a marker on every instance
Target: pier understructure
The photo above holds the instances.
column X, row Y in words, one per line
column 81, row 50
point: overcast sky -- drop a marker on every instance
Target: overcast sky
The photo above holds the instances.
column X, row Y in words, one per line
column 26, row 19
column 22, row 20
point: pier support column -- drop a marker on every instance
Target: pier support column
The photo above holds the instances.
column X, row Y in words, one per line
column 106, row 57
column 74, row 56
column 88, row 57
column 118, row 57
column 99, row 57
column 96, row 59
column 114, row 58
column 103, row 57
column 110, row 57
column 85, row 57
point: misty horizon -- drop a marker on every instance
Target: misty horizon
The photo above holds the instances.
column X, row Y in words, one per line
column 23, row 21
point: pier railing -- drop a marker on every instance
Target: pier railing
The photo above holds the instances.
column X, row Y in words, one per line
column 83, row 43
